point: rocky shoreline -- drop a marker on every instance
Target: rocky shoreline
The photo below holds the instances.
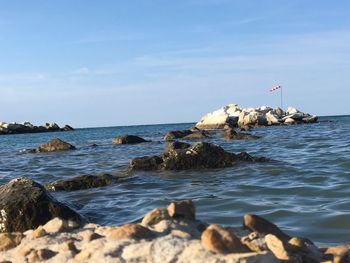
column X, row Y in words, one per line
column 171, row 234
column 27, row 127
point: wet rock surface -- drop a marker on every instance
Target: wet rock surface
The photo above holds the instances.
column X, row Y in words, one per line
column 53, row 146
column 197, row 156
column 25, row 204
column 82, row 182
column 164, row 236
column 128, row 139
column 27, row 127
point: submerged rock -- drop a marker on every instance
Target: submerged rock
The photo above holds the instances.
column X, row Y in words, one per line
column 82, row 182
column 198, row 156
column 128, row 139
column 25, row 204
column 53, row 146
column 231, row 134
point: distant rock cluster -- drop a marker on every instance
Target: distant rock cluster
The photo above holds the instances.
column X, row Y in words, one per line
column 233, row 116
column 27, row 127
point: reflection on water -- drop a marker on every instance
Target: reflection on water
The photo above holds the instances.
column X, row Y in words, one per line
column 305, row 190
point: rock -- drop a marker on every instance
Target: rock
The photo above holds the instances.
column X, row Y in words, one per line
column 310, row 119
column 260, row 225
column 155, row 216
column 82, row 182
column 231, row 134
column 67, row 128
column 173, row 146
column 279, row 112
column 251, row 118
column 53, row 146
column 292, row 110
column 272, row 118
column 183, row 209
column 339, row 254
column 254, row 242
column 25, row 204
column 192, row 134
column 9, row 240
column 198, row 156
column 219, row 240
column 27, row 127
column 227, row 115
column 146, row 163
column 52, row 126
column 40, row 255
column 58, row 225
column 289, row 121
column 277, row 247
column 83, row 255
column 128, row 139
column 39, row 232
column 134, row 231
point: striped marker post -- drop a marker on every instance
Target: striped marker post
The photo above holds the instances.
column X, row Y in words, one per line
column 280, row 88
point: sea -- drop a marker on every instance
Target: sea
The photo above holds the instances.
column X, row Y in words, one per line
column 305, row 189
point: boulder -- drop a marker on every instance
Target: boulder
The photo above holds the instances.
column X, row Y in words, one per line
column 128, row 139
column 25, row 204
column 53, row 146
column 251, row 118
column 67, row 128
column 198, row 156
column 183, row 210
column 82, row 182
column 173, row 146
column 272, row 118
column 279, row 112
column 289, row 121
column 227, row 115
column 220, row 240
column 262, row 226
column 134, row 231
column 191, row 134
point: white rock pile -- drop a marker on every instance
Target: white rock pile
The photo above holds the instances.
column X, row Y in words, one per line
column 233, row 116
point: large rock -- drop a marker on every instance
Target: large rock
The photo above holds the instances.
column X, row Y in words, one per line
column 128, row 139
column 82, row 182
column 272, row 118
column 227, row 115
column 252, row 118
column 25, row 204
column 53, row 146
column 192, row 134
column 231, row 134
column 198, row 156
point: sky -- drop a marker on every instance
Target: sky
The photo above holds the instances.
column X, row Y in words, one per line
column 128, row 62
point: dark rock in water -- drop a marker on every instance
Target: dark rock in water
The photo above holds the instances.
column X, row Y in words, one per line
column 27, row 127
column 231, row 134
column 146, row 163
column 171, row 146
column 128, row 139
column 53, row 146
column 182, row 209
column 25, row 204
column 260, row 225
column 67, row 128
column 201, row 155
column 192, row 134
column 82, row 182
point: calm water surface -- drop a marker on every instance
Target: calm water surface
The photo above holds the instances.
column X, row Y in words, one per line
column 305, row 190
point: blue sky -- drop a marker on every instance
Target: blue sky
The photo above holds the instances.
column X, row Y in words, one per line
column 104, row 63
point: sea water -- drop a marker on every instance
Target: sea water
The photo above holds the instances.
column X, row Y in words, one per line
column 305, row 190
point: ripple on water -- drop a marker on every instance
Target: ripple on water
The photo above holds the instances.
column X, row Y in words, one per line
column 304, row 190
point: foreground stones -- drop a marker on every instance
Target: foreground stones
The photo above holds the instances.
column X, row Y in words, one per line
column 234, row 116
column 53, row 146
column 128, row 139
column 182, row 156
column 85, row 181
column 169, row 234
column 27, row 127
column 25, row 204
